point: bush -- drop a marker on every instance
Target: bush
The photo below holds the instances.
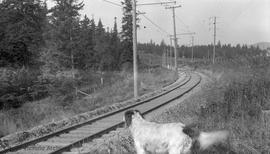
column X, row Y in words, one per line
column 63, row 89
column 20, row 86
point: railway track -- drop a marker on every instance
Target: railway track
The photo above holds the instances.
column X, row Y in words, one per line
column 63, row 141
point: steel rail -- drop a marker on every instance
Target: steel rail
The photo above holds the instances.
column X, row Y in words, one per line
column 66, row 130
column 102, row 132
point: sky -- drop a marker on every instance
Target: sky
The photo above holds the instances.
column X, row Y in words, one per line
column 238, row 21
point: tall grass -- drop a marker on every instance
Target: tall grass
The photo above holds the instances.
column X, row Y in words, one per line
column 237, row 102
column 116, row 88
column 240, row 109
column 236, row 99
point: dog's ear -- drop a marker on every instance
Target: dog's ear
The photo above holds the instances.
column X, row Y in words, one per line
column 192, row 131
column 137, row 111
column 128, row 117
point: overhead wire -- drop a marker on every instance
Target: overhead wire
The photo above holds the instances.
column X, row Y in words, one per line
column 161, row 29
column 186, row 26
column 116, row 4
column 147, row 18
column 242, row 11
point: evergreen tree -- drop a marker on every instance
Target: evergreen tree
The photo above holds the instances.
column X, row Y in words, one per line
column 115, row 45
column 102, row 48
column 21, row 30
column 85, row 55
column 93, row 30
column 127, row 31
column 66, row 26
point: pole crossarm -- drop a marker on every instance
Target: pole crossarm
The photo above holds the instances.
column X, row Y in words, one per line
column 191, row 33
column 160, row 3
column 171, row 37
column 173, row 7
column 140, row 13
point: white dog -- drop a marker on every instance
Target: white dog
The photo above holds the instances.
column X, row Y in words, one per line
column 174, row 138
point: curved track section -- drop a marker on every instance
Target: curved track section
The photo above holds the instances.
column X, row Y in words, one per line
column 64, row 140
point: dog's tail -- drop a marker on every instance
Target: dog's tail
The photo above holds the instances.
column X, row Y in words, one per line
column 204, row 140
column 207, row 139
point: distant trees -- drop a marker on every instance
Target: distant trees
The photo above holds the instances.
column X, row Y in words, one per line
column 222, row 51
column 152, row 47
column 38, row 46
column 204, row 51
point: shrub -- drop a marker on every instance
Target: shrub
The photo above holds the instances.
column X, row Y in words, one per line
column 16, row 87
column 20, row 86
column 63, row 89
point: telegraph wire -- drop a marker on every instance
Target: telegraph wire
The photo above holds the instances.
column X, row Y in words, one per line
column 116, row 4
column 186, row 26
column 147, row 18
column 161, row 29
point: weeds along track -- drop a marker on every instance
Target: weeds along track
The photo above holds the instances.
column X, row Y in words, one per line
column 64, row 140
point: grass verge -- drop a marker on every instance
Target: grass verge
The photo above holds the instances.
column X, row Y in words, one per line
column 102, row 101
column 237, row 100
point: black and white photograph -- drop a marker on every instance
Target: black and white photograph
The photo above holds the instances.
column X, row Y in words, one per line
column 134, row 77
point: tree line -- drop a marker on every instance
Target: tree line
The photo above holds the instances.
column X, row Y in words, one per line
column 37, row 43
column 225, row 51
column 31, row 35
column 34, row 36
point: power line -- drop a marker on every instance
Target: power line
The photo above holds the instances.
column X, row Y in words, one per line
column 116, row 4
column 159, row 3
column 147, row 18
column 242, row 11
column 186, row 26
column 161, row 29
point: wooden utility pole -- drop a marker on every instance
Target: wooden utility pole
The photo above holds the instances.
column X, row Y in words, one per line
column 166, row 56
column 174, row 34
column 135, row 66
column 173, row 56
column 170, row 54
column 214, row 49
column 192, row 53
column 134, row 22
column 175, row 39
column 134, row 33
